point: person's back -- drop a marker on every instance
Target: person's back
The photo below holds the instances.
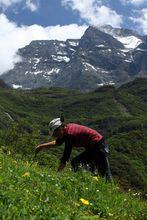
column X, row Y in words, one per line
column 82, row 136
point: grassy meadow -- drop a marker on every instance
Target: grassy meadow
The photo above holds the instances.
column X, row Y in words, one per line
column 39, row 191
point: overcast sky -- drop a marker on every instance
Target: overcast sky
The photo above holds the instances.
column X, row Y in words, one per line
column 22, row 21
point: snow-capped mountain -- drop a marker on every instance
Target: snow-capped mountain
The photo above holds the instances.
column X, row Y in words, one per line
column 102, row 56
column 129, row 38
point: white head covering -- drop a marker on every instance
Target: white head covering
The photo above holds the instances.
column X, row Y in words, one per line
column 54, row 124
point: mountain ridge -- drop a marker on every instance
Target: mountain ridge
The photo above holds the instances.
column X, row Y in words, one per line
column 102, row 56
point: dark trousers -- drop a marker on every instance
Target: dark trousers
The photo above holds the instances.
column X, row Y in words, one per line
column 95, row 157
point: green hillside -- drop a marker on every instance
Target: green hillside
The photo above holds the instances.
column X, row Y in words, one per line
column 118, row 113
column 39, row 192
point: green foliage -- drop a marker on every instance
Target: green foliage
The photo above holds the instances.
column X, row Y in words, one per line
column 21, row 137
column 39, row 192
column 137, row 87
column 128, row 158
column 119, row 114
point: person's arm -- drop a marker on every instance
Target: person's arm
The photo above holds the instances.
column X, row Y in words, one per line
column 46, row 146
column 66, row 155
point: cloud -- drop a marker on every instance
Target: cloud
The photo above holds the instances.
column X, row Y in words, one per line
column 4, row 4
column 8, row 2
column 94, row 12
column 141, row 20
column 31, row 5
column 133, row 2
column 13, row 37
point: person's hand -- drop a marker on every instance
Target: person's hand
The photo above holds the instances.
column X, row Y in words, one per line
column 61, row 167
column 38, row 149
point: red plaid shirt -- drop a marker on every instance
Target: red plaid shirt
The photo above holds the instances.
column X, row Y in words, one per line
column 78, row 136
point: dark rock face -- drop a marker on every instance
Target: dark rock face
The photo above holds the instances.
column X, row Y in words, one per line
column 102, row 56
column 3, row 84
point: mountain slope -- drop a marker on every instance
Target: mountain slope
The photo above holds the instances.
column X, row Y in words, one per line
column 119, row 114
column 3, row 84
column 39, row 192
column 102, row 56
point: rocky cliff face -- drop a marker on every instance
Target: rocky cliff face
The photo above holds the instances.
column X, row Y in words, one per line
column 3, row 84
column 102, row 56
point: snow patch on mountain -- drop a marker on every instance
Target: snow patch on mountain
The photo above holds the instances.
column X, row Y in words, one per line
column 87, row 65
column 105, row 83
column 73, row 43
column 130, row 42
column 36, row 72
column 62, row 45
column 128, row 61
column 139, row 49
column 16, row 86
column 72, row 49
column 100, row 45
column 36, row 60
column 126, row 37
column 61, row 58
column 54, row 70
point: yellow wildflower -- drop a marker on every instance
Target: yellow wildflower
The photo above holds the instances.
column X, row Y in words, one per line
column 95, row 178
column 27, row 174
column 14, row 161
column 84, row 201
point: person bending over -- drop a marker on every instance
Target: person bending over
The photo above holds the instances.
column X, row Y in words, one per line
column 75, row 135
